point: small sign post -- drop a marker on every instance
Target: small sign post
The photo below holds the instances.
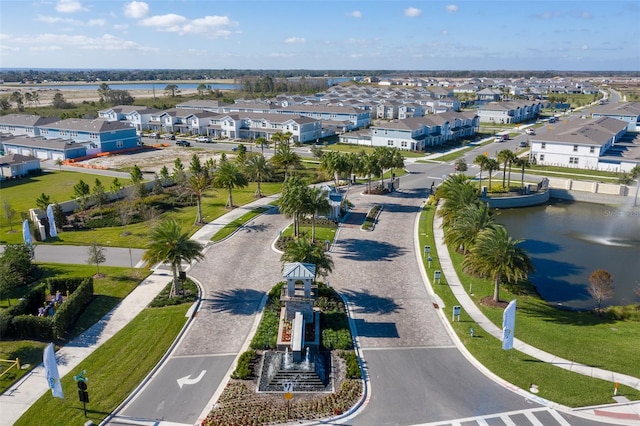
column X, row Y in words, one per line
column 427, row 250
column 83, row 394
column 456, row 313
column 287, row 387
column 429, row 259
column 436, row 277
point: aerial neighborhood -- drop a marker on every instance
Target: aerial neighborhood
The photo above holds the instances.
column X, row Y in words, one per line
column 408, row 114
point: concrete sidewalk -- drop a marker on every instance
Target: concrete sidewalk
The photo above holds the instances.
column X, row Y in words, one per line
column 16, row 400
column 623, row 412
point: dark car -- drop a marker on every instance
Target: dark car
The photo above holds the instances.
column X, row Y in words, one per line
column 183, row 143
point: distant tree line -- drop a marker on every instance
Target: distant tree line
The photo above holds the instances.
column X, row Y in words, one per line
column 88, row 75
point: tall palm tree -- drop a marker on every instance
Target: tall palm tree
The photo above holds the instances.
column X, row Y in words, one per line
column 196, row 185
column 293, row 201
column 318, row 200
column 280, row 138
column 458, row 192
column 258, row 169
column 169, row 244
column 506, row 156
column 303, row 250
column 229, row 176
column 285, row 158
column 480, row 160
column 467, row 224
column 491, row 165
column 522, row 162
column 335, row 164
column 368, row 167
column 497, row 256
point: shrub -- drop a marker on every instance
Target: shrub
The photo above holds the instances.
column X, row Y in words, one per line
column 353, row 368
column 189, row 295
column 243, row 369
column 336, row 339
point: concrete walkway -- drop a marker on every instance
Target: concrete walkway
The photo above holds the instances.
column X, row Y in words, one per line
column 16, row 400
column 622, row 412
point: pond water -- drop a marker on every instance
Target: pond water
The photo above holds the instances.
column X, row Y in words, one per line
column 567, row 241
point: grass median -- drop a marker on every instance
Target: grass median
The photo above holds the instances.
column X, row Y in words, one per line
column 581, row 337
column 114, row 370
column 234, row 225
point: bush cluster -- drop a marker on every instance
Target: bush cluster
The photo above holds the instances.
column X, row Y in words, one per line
column 353, row 368
column 188, row 294
column 21, row 321
column 244, row 368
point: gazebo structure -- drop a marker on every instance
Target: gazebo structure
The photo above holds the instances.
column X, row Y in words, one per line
column 298, row 297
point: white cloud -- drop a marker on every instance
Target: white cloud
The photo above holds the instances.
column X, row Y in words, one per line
column 136, row 9
column 69, row 6
column 212, row 26
column 120, row 27
column 451, row 8
column 65, row 42
column 355, row 14
column 412, row 12
column 69, row 21
column 295, row 40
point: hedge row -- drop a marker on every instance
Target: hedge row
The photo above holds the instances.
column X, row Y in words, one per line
column 21, row 321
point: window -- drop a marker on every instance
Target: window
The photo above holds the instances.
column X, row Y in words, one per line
column 575, row 148
column 390, row 142
column 403, row 144
column 592, row 150
column 543, row 145
column 541, row 157
column 119, row 144
column 573, row 160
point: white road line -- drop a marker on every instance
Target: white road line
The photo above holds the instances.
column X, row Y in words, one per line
column 533, row 419
column 558, row 417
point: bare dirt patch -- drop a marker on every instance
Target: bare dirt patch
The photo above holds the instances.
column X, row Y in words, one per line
column 151, row 160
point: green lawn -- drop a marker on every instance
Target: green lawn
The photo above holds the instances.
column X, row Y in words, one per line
column 109, row 290
column 114, row 369
column 346, row 147
column 236, row 224
column 135, row 235
column 580, row 337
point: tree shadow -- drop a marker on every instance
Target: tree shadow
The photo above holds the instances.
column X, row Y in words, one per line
column 369, row 250
column 376, row 329
column 400, row 208
column 237, row 301
column 540, row 247
column 564, row 316
column 363, row 302
column 255, row 227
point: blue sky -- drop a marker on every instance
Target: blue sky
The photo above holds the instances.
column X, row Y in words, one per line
column 329, row 34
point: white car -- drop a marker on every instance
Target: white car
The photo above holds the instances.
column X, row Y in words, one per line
column 530, row 131
column 203, row 139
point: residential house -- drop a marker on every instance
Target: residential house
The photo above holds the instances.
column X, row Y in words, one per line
column 17, row 165
column 625, row 111
column 43, row 149
column 136, row 116
column 24, row 124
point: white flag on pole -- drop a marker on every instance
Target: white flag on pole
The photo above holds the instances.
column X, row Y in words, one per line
column 508, row 325
column 26, row 232
column 52, row 222
column 51, row 371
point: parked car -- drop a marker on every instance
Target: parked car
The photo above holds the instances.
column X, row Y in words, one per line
column 235, row 148
column 183, row 143
column 530, row 131
column 523, row 144
column 203, row 139
column 169, row 136
column 501, row 137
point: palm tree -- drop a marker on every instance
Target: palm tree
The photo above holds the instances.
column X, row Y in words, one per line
column 458, row 192
column 169, row 244
column 467, row 224
column 334, row 164
column 497, row 256
column 367, row 167
column 318, row 200
column 258, row 169
column 506, row 156
column 229, row 176
column 262, row 143
column 492, row 164
column 303, row 250
column 480, row 160
column 285, row 158
column 196, row 185
column 280, row 138
column 293, row 200
column 523, row 162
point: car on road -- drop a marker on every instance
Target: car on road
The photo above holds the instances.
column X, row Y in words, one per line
column 203, row 139
column 235, row 148
column 530, row 131
column 169, row 136
column 183, row 143
column 523, row 144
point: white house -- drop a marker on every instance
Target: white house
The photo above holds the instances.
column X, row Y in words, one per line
column 583, row 145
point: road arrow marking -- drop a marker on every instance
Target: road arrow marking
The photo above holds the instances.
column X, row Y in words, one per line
column 187, row 380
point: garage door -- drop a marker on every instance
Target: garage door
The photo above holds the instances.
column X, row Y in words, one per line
column 41, row 154
column 57, row 156
column 25, row 151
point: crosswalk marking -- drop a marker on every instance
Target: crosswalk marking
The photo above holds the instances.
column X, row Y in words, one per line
column 505, row 417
